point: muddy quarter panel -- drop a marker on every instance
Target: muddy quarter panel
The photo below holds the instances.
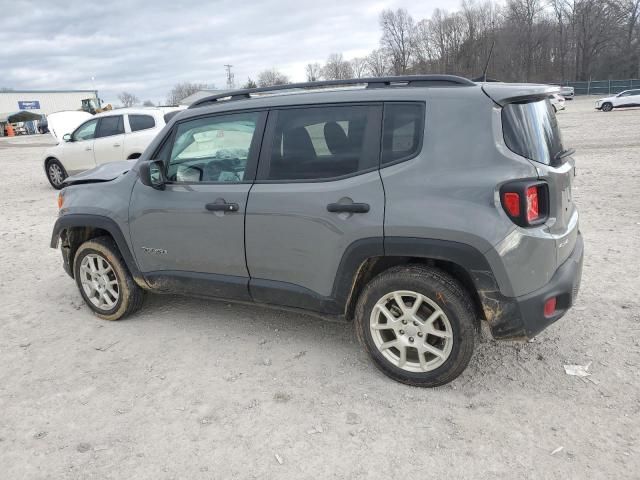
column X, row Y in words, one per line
column 449, row 191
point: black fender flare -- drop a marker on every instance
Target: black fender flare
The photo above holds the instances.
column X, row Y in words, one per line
column 107, row 224
column 472, row 260
column 500, row 312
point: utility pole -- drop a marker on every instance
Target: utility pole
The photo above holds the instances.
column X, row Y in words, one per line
column 231, row 84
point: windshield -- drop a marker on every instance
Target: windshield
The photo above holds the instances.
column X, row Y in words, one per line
column 531, row 129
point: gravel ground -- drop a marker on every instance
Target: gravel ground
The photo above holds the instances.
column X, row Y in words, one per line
column 190, row 388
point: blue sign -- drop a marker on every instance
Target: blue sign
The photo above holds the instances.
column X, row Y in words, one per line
column 29, row 104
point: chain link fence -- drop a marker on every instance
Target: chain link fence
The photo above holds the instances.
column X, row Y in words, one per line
column 602, row 87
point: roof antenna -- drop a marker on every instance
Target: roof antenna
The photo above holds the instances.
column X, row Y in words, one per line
column 486, row 67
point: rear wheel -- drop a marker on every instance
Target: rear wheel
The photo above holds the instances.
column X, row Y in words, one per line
column 607, row 107
column 56, row 173
column 104, row 280
column 417, row 324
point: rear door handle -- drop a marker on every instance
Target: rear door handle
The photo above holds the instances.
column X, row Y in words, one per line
column 222, row 207
column 348, row 207
column 88, row 149
column 116, row 144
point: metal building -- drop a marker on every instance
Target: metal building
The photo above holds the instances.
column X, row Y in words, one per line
column 44, row 101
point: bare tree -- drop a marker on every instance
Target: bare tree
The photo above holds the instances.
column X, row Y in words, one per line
column 148, row 103
column 359, row 67
column 378, row 63
column 127, row 99
column 180, row 91
column 337, row 68
column 271, row 77
column 313, row 72
column 398, row 30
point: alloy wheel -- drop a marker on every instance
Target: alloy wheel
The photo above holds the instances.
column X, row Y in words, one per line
column 55, row 174
column 411, row 331
column 99, row 282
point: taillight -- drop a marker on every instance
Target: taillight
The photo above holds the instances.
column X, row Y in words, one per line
column 550, row 307
column 533, row 210
column 526, row 202
column 511, row 202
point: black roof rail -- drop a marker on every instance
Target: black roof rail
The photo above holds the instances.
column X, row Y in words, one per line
column 375, row 82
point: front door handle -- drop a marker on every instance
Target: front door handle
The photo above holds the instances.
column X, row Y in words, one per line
column 88, row 149
column 348, row 207
column 116, row 144
column 222, row 207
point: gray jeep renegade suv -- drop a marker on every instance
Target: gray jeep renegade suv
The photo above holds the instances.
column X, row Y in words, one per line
column 415, row 206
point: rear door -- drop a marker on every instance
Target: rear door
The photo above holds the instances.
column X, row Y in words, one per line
column 189, row 237
column 317, row 193
column 109, row 143
column 142, row 129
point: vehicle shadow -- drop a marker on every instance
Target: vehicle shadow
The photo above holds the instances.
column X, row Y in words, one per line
column 494, row 365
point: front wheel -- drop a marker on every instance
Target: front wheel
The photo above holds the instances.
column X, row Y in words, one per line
column 56, row 173
column 606, row 107
column 417, row 324
column 104, row 280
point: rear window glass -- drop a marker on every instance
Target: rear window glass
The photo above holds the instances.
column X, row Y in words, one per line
column 141, row 122
column 402, row 131
column 531, row 130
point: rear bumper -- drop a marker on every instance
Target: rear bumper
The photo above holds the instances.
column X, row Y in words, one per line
column 523, row 317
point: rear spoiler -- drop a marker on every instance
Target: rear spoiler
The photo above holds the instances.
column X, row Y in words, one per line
column 503, row 93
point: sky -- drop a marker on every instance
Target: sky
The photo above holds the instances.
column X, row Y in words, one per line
column 146, row 47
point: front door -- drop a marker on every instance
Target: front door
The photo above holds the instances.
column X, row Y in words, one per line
column 317, row 194
column 78, row 153
column 189, row 237
column 109, row 143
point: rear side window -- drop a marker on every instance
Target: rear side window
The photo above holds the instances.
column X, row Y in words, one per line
column 402, row 131
column 109, row 126
column 141, row 122
column 323, row 142
column 531, row 130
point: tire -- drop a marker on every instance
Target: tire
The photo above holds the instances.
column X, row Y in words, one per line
column 456, row 319
column 55, row 173
column 606, row 107
column 95, row 256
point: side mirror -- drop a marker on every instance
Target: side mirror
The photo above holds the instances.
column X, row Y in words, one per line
column 152, row 174
column 67, row 137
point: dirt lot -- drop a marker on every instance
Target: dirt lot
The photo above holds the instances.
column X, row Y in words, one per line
column 202, row 389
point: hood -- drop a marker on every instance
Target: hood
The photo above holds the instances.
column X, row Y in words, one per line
column 61, row 123
column 503, row 93
column 103, row 173
column 606, row 99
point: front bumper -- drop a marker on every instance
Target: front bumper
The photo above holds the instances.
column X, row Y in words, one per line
column 523, row 317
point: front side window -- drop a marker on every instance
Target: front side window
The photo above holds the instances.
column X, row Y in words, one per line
column 212, row 149
column 86, row 131
column 110, row 126
column 323, row 142
column 141, row 122
column 531, row 130
column 402, row 131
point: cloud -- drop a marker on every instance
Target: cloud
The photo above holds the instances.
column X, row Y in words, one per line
column 146, row 47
